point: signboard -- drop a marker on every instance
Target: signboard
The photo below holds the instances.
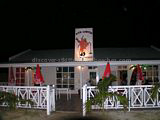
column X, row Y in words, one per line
column 83, row 44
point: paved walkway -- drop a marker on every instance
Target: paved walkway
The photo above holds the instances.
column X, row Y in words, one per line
column 73, row 104
column 33, row 114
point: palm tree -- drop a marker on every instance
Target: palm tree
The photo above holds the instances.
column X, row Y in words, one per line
column 104, row 93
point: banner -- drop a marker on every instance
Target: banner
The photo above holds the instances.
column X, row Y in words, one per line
column 83, row 44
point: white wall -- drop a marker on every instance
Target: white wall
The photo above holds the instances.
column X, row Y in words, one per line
column 77, row 77
column 49, row 74
column 28, row 78
column 129, row 74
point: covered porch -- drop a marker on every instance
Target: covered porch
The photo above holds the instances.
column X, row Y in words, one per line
column 84, row 71
column 73, row 75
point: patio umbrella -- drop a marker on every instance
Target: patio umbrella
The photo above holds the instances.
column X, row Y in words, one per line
column 140, row 77
column 137, row 76
column 11, row 77
column 107, row 71
column 38, row 76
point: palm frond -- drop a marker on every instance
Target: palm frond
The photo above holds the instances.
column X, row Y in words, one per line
column 103, row 93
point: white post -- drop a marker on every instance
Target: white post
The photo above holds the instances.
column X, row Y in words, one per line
column 84, row 99
column 53, row 98
column 97, row 77
column 129, row 99
column 48, row 100
column 81, row 78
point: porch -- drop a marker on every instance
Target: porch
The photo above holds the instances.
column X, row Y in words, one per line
column 138, row 96
column 69, row 77
column 73, row 75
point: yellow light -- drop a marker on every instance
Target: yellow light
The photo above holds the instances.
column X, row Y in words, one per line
column 79, row 67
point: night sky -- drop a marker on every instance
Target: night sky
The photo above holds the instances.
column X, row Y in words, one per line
column 51, row 25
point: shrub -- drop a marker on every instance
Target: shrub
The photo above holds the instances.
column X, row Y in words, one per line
column 103, row 94
column 12, row 100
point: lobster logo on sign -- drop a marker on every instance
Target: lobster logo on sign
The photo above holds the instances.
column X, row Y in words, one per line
column 83, row 44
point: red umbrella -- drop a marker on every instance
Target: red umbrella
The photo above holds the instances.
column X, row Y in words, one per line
column 11, row 76
column 39, row 78
column 139, row 73
column 107, row 71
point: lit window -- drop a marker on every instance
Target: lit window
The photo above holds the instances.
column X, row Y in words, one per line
column 65, row 77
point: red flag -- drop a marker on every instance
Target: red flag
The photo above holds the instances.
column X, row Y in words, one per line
column 39, row 78
column 11, row 76
column 107, row 71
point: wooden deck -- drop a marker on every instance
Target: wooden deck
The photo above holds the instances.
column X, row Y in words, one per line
column 73, row 104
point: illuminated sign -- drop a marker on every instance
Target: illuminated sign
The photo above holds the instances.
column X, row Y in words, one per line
column 84, row 44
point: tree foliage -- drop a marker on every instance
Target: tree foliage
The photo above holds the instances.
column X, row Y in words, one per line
column 154, row 90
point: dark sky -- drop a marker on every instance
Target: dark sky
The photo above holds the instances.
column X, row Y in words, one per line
column 51, row 25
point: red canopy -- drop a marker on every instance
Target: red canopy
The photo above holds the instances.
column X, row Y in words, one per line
column 39, row 78
column 107, row 71
column 11, row 76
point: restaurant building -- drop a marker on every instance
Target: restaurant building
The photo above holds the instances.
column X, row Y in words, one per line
column 72, row 68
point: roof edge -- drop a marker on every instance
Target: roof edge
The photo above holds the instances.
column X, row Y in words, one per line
column 21, row 53
column 155, row 48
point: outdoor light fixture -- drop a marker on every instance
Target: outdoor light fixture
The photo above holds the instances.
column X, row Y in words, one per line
column 80, row 67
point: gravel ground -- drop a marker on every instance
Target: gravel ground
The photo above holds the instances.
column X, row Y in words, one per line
column 22, row 114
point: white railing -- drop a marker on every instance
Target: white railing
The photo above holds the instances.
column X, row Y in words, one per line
column 42, row 97
column 60, row 91
column 139, row 96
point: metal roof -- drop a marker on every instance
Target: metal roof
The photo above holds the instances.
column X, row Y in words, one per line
column 66, row 55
